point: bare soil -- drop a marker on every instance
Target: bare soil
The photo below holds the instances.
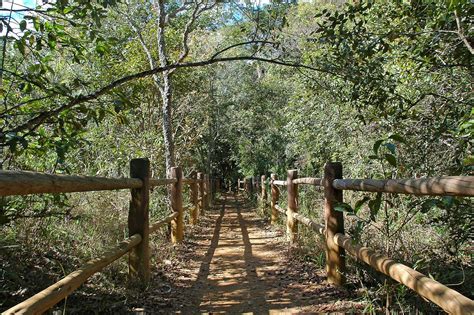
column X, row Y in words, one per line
column 238, row 263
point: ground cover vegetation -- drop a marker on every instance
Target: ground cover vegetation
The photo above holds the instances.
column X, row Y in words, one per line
column 236, row 90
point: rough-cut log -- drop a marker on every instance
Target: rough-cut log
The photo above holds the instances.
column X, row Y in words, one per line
column 44, row 300
column 280, row 182
column 200, row 177
column 447, row 185
column 189, row 180
column 176, row 202
column 207, row 192
column 310, row 223
column 449, row 300
column 162, row 181
column 23, row 183
column 309, row 181
column 193, row 196
column 156, row 226
column 291, row 223
column 280, row 209
column 263, row 188
column 138, row 222
column 334, row 221
column 275, row 195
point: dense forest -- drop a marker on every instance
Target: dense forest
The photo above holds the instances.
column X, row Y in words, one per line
column 238, row 89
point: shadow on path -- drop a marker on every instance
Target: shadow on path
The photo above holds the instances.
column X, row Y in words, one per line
column 246, row 269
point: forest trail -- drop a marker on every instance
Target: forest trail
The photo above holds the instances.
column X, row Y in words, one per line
column 240, row 264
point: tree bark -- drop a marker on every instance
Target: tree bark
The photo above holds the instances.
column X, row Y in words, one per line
column 167, row 123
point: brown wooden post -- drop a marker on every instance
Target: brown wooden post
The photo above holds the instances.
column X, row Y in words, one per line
column 264, row 195
column 206, row 192
column 138, row 222
column 177, row 225
column 275, row 196
column 200, row 177
column 291, row 223
column 250, row 181
column 334, row 220
column 193, row 190
column 210, row 195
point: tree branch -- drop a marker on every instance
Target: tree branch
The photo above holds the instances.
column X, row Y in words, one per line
column 35, row 122
column 461, row 33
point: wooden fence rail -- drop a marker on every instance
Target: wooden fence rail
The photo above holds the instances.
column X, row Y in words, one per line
column 14, row 183
column 337, row 242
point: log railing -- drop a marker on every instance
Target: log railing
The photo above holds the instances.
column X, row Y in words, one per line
column 14, row 183
column 337, row 243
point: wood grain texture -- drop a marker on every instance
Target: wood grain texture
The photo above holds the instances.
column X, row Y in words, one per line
column 138, row 223
column 310, row 223
column 291, row 223
column 200, row 177
column 161, row 181
column 24, row 183
column 263, row 193
column 449, row 300
column 44, row 300
column 157, row 225
column 193, row 196
column 446, row 185
column 309, row 181
column 280, row 209
column 280, row 182
column 275, row 196
column 334, row 221
column 176, row 200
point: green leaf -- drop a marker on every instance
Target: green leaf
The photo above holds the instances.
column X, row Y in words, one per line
column 377, row 145
column 391, row 159
column 374, row 206
column 360, row 203
column 51, row 41
column 373, row 157
column 448, row 201
column 429, row 204
column 22, row 25
column 343, row 207
column 36, row 24
column 397, row 137
column 20, row 44
column 390, row 146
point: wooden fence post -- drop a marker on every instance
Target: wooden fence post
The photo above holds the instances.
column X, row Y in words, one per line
column 291, row 223
column 218, row 184
column 177, row 225
column 275, row 196
column 138, row 222
column 200, row 177
column 193, row 189
column 264, row 195
column 206, row 192
column 250, row 181
column 210, row 190
column 335, row 255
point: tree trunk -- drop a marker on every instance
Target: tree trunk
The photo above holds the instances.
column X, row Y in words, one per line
column 167, row 123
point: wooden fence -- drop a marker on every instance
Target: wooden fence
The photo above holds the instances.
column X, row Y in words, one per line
column 13, row 183
column 337, row 243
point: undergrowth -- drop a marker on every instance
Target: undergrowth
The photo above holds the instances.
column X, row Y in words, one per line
column 406, row 235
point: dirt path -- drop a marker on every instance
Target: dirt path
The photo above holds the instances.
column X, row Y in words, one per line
column 244, row 267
